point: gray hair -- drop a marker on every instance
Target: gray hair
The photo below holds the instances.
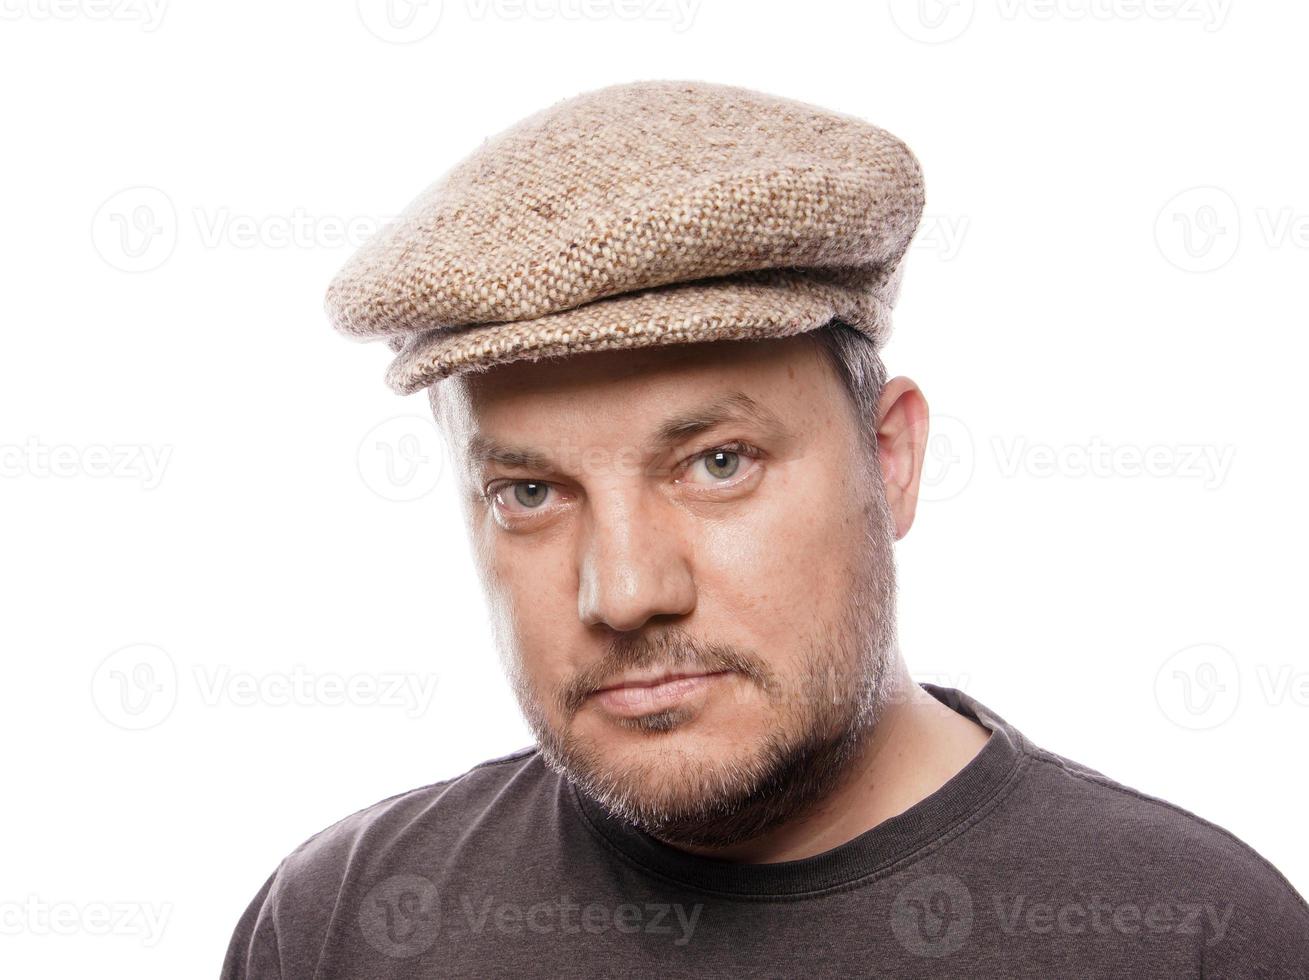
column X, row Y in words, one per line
column 856, row 360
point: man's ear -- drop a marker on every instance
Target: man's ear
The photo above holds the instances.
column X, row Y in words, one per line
column 902, row 424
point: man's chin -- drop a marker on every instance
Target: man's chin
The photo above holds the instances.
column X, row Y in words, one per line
column 701, row 785
column 683, row 790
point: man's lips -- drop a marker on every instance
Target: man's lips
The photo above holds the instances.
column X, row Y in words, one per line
column 634, row 697
column 654, row 680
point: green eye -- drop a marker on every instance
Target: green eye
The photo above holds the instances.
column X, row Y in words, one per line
column 530, row 494
column 721, row 463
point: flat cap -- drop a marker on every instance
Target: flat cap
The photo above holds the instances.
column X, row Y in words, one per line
column 641, row 214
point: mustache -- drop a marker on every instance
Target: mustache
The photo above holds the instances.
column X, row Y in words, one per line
column 673, row 648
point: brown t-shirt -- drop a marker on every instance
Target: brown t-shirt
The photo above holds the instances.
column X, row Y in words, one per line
column 1024, row 864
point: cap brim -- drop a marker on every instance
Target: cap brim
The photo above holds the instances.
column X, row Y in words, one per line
column 776, row 303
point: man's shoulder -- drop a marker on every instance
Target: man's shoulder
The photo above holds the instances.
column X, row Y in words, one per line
column 300, row 905
column 1153, row 852
column 432, row 817
column 1062, row 813
column 1091, row 804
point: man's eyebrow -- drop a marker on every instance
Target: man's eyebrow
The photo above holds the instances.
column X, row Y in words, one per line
column 735, row 406
column 482, row 451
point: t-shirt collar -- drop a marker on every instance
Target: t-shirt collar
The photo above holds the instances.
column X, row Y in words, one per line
column 982, row 781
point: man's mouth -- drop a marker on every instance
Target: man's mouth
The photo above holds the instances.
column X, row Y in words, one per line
column 634, row 696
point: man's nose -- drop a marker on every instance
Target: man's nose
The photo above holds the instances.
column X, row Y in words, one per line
column 633, row 564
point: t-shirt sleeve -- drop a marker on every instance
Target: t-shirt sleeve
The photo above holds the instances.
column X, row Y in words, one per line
column 1267, row 932
column 252, row 953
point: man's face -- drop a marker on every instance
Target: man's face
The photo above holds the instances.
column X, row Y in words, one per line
column 687, row 554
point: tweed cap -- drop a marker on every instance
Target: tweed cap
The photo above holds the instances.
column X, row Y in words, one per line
column 641, row 214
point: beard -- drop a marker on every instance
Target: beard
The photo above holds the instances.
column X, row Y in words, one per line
column 819, row 722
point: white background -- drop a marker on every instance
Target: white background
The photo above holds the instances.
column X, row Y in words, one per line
column 196, row 501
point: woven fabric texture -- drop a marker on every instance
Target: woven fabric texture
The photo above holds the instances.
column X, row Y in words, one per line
column 646, row 213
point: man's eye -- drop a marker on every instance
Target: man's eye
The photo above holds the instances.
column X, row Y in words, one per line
column 721, row 463
column 525, row 494
column 718, row 465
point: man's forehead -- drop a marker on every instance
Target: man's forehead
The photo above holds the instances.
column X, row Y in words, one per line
column 483, row 445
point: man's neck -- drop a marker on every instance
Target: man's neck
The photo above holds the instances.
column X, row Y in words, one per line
column 916, row 746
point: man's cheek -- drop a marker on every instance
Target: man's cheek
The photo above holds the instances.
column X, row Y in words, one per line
column 763, row 585
column 547, row 657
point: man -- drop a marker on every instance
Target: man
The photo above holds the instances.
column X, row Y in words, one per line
column 648, row 319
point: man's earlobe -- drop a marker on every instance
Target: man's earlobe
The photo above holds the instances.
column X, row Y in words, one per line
column 902, row 430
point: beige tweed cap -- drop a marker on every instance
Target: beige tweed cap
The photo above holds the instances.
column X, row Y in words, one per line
column 641, row 214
